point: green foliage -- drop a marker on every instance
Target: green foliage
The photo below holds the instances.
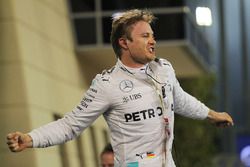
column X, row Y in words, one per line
column 195, row 141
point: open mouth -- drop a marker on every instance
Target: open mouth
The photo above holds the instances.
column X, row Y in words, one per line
column 151, row 49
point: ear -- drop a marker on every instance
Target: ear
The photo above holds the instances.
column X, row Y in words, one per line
column 123, row 43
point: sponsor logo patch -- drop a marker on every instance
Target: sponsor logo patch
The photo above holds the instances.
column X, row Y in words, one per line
column 126, row 86
column 147, row 155
column 132, row 97
column 133, row 164
column 143, row 115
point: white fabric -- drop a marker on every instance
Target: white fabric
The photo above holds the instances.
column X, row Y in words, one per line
column 128, row 100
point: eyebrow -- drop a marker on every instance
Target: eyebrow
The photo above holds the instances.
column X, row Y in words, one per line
column 147, row 33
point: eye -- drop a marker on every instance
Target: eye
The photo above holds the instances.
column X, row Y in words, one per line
column 146, row 35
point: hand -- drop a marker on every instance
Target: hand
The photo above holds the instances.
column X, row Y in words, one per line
column 18, row 141
column 220, row 119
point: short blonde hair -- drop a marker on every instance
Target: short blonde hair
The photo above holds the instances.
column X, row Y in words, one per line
column 122, row 25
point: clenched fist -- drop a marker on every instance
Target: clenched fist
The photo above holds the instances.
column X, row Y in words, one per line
column 18, row 141
column 220, row 119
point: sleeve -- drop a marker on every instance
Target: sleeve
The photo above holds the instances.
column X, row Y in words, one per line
column 94, row 103
column 187, row 105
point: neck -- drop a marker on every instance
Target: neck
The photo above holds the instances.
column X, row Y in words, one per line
column 131, row 63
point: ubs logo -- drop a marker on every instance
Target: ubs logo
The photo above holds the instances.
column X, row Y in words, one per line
column 126, row 86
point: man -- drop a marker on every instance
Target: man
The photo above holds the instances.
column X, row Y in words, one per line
column 107, row 156
column 138, row 98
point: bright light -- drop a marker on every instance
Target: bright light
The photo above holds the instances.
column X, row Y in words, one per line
column 245, row 155
column 203, row 16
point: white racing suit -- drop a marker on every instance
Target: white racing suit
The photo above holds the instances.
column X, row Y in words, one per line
column 138, row 105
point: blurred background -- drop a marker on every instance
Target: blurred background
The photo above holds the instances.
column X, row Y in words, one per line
column 51, row 50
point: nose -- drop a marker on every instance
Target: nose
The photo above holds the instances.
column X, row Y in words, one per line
column 152, row 40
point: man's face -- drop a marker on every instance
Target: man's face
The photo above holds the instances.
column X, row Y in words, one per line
column 107, row 160
column 142, row 46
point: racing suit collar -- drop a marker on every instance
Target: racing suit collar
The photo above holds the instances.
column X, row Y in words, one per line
column 131, row 70
column 141, row 73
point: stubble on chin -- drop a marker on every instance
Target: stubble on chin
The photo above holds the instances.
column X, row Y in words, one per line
column 151, row 58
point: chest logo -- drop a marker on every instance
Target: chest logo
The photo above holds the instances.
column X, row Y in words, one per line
column 126, row 85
